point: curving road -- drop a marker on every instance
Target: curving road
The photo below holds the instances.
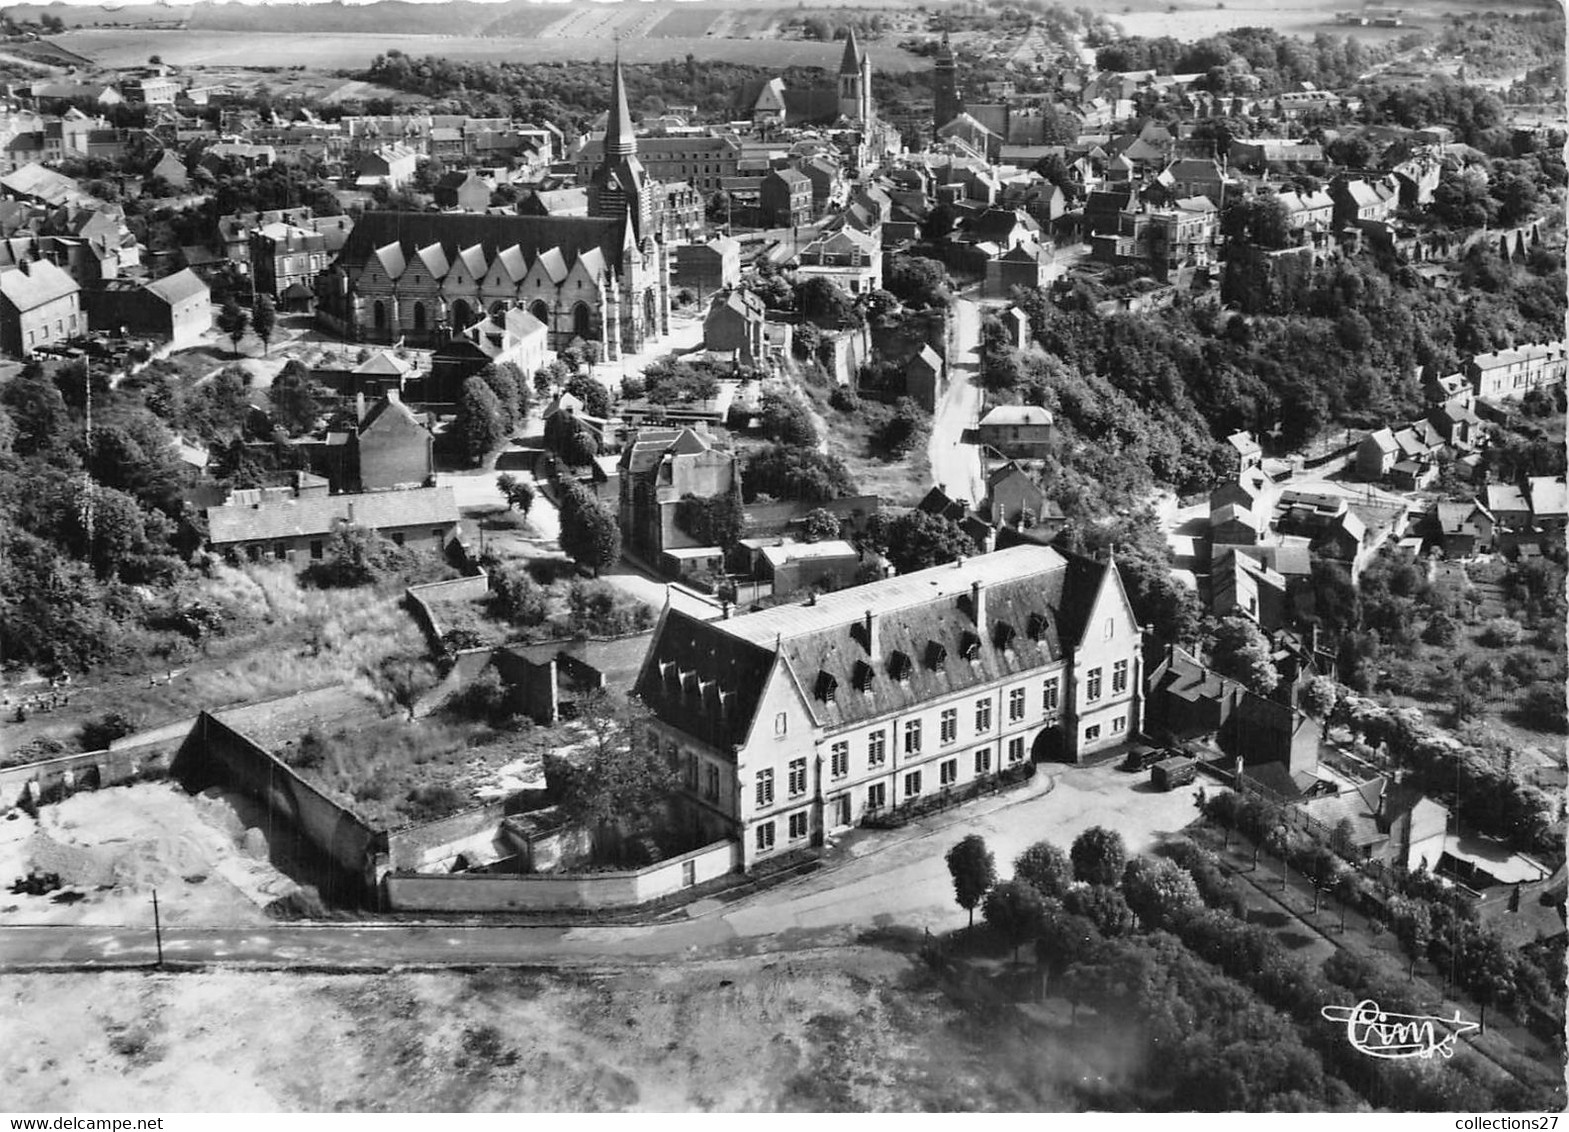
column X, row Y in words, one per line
column 875, row 880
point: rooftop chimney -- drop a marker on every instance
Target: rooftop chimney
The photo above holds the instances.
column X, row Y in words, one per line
column 359, row 407
column 870, row 625
column 978, row 604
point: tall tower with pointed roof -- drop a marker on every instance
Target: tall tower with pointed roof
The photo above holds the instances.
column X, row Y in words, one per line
column 620, row 187
column 855, row 82
column 945, row 93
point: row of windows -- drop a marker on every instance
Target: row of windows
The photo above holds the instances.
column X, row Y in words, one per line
column 799, row 826
column 796, row 783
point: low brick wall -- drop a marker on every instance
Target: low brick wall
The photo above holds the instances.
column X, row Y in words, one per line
column 497, row 892
column 454, row 589
column 434, row 845
column 87, row 771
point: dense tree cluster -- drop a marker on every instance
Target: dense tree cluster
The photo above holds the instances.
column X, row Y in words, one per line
column 1162, row 951
column 572, row 94
column 1275, row 61
column 781, row 471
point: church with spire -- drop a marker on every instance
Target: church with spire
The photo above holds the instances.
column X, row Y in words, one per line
column 424, row 278
column 848, row 103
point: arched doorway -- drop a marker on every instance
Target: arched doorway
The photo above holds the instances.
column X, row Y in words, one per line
column 379, row 315
column 462, row 315
column 419, row 316
column 540, row 311
column 582, row 321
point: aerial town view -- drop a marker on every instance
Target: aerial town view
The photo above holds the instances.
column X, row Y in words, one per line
column 879, row 557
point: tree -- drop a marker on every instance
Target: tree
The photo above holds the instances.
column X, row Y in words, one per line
column 297, row 400
column 517, row 597
column 1098, row 856
column 617, row 778
column 518, row 494
column 784, row 418
column 974, row 871
column 917, row 281
column 264, row 321
column 355, row 556
column 805, row 474
column 1240, row 650
column 1320, row 697
column 504, row 381
column 233, row 321
column 1161, row 894
column 715, row 521
column 590, row 533
column 480, row 424
column 826, row 303
column 1103, row 906
column 918, row 539
column 1015, row 911
column 1045, row 868
column 593, row 394
column 820, row 525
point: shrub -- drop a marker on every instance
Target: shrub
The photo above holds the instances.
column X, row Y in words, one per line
column 1502, row 633
column 844, row 399
column 486, row 698
column 97, row 734
column 427, row 803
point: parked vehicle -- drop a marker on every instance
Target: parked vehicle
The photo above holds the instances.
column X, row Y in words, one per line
column 1170, row 773
column 1141, row 757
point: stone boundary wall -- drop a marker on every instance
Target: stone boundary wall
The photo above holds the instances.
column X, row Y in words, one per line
column 454, row 589
column 500, row 892
column 303, row 822
column 436, row 844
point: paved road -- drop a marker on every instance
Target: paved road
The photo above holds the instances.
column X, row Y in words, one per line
column 956, row 466
column 881, row 879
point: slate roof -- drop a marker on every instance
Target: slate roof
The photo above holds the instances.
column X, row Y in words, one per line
column 246, row 518
column 41, row 283
column 406, row 234
column 706, row 677
column 179, row 287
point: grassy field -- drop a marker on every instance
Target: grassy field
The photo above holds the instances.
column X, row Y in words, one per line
column 285, row 639
column 854, row 1029
column 121, row 47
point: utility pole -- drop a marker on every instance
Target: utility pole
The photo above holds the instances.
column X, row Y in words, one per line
column 157, row 929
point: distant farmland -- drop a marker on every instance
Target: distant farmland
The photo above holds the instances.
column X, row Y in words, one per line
column 123, row 47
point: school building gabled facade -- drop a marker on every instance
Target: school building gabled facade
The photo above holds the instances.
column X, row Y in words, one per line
column 802, row 719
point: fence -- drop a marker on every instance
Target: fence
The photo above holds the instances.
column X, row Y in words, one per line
column 501, row 892
column 897, row 816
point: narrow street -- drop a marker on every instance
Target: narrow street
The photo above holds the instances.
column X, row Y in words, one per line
column 956, row 466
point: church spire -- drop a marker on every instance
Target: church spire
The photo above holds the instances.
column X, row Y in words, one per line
column 853, row 56
column 619, row 139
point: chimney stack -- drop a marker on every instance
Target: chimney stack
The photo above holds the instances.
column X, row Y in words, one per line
column 359, row 407
column 870, row 625
column 978, row 604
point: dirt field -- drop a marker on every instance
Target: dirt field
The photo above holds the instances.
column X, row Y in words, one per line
column 112, row 847
column 854, row 1029
column 121, row 47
